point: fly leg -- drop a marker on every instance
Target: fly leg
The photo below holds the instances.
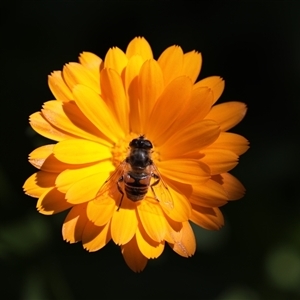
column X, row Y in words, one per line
column 157, row 180
column 120, row 190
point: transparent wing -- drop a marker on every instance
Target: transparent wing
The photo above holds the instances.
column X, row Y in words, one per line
column 160, row 189
column 110, row 189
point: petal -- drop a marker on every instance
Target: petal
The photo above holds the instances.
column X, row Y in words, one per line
column 185, row 171
column 199, row 104
column 209, row 218
column 70, row 178
column 227, row 114
column 184, row 242
column 233, row 187
column 39, row 183
column 58, row 87
column 133, row 257
column 43, row 127
column 219, row 160
column 52, row 202
column 153, row 220
column 43, row 158
column 124, row 223
column 92, row 62
column 131, row 83
column 77, row 151
column 115, row 59
column 74, row 224
column 86, row 189
column 96, row 110
column 192, row 62
column 191, row 138
column 210, row 194
column 174, row 229
column 113, row 93
column 150, row 87
column 171, row 63
column 95, row 237
column 231, row 141
column 100, row 212
column 139, row 46
column 214, row 83
column 75, row 73
column 147, row 246
column 68, row 118
column 167, row 108
column 182, row 208
column 196, row 108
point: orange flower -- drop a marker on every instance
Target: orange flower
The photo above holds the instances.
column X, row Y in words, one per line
column 102, row 105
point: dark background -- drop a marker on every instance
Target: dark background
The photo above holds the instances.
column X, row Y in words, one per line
column 255, row 46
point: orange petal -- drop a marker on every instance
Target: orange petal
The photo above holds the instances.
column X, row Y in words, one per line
column 233, row 187
column 39, row 183
column 96, row 110
column 147, row 246
column 131, row 88
column 100, row 212
column 167, row 108
column 150, row 87
column 113, row 93
column 139, row 46
column 77, row 151
column 133, row 257
column 231, row 141
column 209, row 218
column 95, row 237
column 192, row 62
column 173, row 230
column 93, row 63
column 184, row 170
column 152, row 219
column 184, row 242
column 199, row 104
column 52, row 202
column 210, row 194
column 124, row 223
column 115, row 59
column 43, row 127
column 214, row 83
column 74, row 223
column 68, row 118
column 43, row 158
column 227, row 114
column 219, row 160
column 191, row 138
column 86, row 189
column 58, row 87
column 182, row 208
column 71, row 176
column 171, row 63
column 75, row 73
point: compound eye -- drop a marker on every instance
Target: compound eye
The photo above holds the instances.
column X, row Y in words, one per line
column 134, row 143
column 147, row 144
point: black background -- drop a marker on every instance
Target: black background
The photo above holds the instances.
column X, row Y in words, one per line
column 255, row 47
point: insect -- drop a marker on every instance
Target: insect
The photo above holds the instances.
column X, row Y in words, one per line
column 136, row 174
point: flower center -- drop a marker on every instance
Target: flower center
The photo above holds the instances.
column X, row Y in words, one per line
column 121, row 149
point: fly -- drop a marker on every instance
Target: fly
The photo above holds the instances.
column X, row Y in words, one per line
column 136, row 174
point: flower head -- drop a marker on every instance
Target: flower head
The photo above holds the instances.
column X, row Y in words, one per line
column 100, row 107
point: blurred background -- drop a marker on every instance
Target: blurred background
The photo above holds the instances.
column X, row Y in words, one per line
column 255, row 47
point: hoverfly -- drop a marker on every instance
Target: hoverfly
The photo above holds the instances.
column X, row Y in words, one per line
column 135, row 175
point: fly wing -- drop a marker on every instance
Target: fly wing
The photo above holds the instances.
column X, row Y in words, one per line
column 110, row 186
column 161, row 190
column 106, row 198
